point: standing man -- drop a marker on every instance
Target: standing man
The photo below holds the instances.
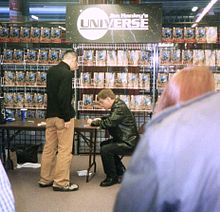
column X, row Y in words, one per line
column 121, row 125
column 57, row 152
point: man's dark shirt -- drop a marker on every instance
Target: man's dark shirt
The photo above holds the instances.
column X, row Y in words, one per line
column 59, row 92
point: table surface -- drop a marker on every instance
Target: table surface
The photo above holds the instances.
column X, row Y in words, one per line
column 36, row 124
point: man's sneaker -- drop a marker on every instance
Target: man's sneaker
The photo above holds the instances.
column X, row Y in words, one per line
column 44, row 185
column 71, row 187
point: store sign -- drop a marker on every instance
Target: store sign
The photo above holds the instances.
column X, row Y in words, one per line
column 114, row 23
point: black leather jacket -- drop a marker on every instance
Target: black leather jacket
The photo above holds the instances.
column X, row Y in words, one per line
column 120, row 124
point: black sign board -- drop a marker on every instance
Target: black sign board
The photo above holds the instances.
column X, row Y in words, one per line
column 104, row 23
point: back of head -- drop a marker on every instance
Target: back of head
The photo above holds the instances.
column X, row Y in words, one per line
column 186, row 84
column 103, row 94
column 192, row 82
column 69, row 55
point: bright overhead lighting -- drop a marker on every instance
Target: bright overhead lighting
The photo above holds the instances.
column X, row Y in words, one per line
column 4, row 9
column 48, row 10
column 194, row 9
column 194, row 25
column 204, row 12
column 34, row 17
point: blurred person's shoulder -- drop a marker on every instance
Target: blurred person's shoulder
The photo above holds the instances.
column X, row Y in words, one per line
column 208, row 103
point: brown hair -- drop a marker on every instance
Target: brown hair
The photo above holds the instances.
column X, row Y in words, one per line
column 185, row 85
column 103, row 94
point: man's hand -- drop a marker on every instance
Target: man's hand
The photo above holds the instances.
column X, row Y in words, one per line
column 67, row 124
column 89, row 121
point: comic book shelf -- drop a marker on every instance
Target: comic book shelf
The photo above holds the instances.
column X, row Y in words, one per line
column 127, row 69
column 186, row 46
column 27, row 50
column 137, row 73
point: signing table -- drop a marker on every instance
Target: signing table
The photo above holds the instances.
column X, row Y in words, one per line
column 80, row 126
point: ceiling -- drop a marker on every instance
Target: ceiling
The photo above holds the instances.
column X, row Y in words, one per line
column 174, row 11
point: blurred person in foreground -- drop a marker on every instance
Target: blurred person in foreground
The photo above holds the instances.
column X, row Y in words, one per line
column 57, row 152
column 176, row 165
column 7, row 203
column 121, row 125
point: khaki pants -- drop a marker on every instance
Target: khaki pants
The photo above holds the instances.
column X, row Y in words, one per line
column 57, row 152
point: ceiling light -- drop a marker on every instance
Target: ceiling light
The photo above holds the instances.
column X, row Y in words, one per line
column 194, row 9
column 4, row 10
column 34, row 17
column 48, row 10
column 204, row 12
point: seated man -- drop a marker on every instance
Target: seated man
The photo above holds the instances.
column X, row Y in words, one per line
column 121, row 125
